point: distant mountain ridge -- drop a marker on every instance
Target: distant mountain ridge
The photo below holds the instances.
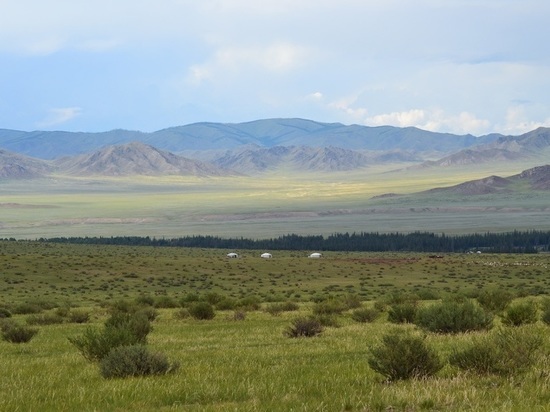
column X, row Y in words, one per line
column 263, row 133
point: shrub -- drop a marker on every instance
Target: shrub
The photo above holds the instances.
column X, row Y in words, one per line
column 249, row 303
column 365, row 315
column 27, row 309
column 454, row 317
column 404, row 355
column 330, row 307
column 79, row 316
column 189, row 298
column 546, row 315
column 145, row 300
column 4, row 313
column 121, row 329
column 136, row 360
column 327, row 320
column 16, row 333
column 304, row 327
column 226, row 304
column 277, row 308
column 508, row 351
column 352, row 301
column 165, row 302
column 182, row 313
column 521, row 314
column 238, row 315
column 45, row 319
column 202, row 311
column 213, row 298
column 494, row 300
column 402, row 312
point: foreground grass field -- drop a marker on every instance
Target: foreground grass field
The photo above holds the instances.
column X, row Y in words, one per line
column 249, row 364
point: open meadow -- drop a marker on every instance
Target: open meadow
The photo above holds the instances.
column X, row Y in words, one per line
column 265, row 206
column 244, row 358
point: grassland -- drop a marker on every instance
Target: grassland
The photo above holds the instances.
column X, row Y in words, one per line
column 249, row 365
column 260, row 207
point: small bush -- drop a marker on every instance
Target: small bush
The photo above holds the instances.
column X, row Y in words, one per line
column 16, row 333
column 402, row 312
column 365, row 315
column 352, row 301
column 4, row 313
column 79, row 316
column 304, row 327
column 165, row 302
column 238, row 315
column 45, row 319
column 330, row 307
column 546, row 315
column 454, row 317
column 494, row 300
column 280, row 307
column 505, row 352
column 404, row 355
column 521, row 313
column 27, row 309
column 182, row 313
column 202, row 311
column 327, row 320
column 226, row 304
column 249, row 303
column 125, row 361
column 145, row 300
column 121, row 329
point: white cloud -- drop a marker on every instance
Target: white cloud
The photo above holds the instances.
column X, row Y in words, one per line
column 275, row 58
column 517, row 122
column 435, row 120
column 59, row 116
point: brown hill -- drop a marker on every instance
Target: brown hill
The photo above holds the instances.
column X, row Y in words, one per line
column 16, row 166
column 538, row 177
column 135, row 159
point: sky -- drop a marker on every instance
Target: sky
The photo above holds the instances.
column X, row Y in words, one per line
column 458, row 66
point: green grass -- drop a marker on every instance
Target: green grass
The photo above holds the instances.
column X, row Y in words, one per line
column 250, row 365
column 265, row 206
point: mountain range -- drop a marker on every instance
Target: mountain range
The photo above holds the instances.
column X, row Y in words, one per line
column 215, row 149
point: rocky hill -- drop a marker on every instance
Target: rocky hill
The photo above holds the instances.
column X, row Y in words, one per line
column 16, row 166
column 135, row 159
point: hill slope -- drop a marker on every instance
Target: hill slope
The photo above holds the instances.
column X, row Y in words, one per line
column 16, row 166
column 134, row 159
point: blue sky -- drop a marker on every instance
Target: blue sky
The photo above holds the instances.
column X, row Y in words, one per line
column 459, row 66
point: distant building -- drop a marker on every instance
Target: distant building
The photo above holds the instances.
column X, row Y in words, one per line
column 315, row 255
column 232, row 255
column 266, row 255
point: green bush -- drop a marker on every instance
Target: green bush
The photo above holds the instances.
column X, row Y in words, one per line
column 121, row 329
column 521, row 313
column 27, row 309
column 508, row 351
column 494, row 300
column 249, row 303
column 404, row 312
column 182, row 313
column 226, row 304
column 16, row 333
column 546, row 315
column 304, row 327
column 4, row 313
column 202, row 311
column 453, row 317
column 404, row 355
column 45, row 319
column 238, row 315
column 136, row 360
column 330, row 307
column 79, row 316
column 280, row 307
column 165, row 302
column 352, row 301
column 365, row 315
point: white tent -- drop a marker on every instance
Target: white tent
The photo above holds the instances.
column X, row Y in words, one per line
column 232, row 255
column 315, row 255
column 266, row 255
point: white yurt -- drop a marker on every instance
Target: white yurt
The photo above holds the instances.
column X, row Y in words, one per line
column 315, row 255
column 232, row 255
column 266, row 255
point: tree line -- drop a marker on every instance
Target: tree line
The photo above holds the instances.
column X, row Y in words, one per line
column 510, row 242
